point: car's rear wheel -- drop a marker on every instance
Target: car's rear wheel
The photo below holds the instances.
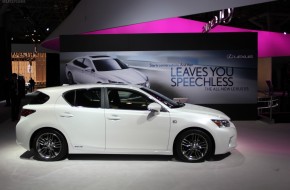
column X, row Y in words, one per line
column 193, row 146
column 70, row 78
column 49, row 145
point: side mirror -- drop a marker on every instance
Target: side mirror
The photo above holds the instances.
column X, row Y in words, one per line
column 154, row 107
column 89, row 69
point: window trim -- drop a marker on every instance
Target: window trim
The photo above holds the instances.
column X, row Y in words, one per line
column 107, row 104
column 74, row 101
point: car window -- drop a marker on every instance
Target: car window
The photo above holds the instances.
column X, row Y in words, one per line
column 79, row 63
column 70, row 97
column 38, row 98
column 90, row 98
column 165, row 100
column 88, row 63
column 109, row 64
column 127, row 99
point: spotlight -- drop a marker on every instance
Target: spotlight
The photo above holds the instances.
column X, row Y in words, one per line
column 285, row 33
column 47, row 29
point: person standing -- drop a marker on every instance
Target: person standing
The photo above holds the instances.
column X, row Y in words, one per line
column 14, row 93
column 17, row 92
column 7, row 87
column 31, row 85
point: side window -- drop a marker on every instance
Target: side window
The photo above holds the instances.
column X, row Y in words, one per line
column 79, row 62
column 38, row 98
column 88, row 63
column 90, row 98
column 127, row 99
column 70, row 97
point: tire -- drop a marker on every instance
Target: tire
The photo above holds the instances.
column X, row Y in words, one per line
column 49, row 145
column 193, row 146
column 70, row 78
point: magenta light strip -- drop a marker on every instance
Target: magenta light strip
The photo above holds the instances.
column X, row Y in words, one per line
column 270, row 44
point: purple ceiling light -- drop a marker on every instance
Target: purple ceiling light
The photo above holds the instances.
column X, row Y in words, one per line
column 270, row 44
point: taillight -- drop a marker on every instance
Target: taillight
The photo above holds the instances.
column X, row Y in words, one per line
column 27, row 112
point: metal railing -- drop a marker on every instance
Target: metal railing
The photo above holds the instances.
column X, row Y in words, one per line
column 267, row 105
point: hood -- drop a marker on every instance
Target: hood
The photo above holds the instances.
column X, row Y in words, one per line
column 127, row 76
column 190, row 108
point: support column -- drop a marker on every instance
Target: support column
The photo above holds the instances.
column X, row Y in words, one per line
column 5, row 58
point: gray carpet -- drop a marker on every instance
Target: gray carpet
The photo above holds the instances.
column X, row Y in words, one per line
column 261, row 161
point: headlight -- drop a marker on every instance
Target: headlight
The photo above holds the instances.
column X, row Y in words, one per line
column 221, row 123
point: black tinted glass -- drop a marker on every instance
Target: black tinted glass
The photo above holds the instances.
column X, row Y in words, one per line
column 90, row 98
column 109, row 65
column 70, row 97
column 127, row 99
column 38, row 98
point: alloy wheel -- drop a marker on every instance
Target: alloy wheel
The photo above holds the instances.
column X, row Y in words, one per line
column 48, row 145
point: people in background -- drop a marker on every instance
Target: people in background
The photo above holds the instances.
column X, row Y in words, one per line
column 6, row 89
column 31, row 85
column 17, row 92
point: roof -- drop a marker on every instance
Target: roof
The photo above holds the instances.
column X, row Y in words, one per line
column 86, row 86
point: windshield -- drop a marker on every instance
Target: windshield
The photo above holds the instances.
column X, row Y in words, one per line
column 165, row 100
column 109, row 64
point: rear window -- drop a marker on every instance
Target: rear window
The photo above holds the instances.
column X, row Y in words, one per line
column 90, row 98
column 38, row 98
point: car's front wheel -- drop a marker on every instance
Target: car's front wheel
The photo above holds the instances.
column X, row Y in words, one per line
column 49, row 145
column 193, row 146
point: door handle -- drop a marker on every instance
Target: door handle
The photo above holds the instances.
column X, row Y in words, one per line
column 114, row 118
column 66, row 114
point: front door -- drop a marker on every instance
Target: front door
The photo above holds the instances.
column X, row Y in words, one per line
column 130, row 125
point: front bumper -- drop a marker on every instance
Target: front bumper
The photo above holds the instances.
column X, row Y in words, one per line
column 226, row 139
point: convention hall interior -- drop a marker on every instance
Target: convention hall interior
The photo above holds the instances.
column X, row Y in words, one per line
column 241, row 52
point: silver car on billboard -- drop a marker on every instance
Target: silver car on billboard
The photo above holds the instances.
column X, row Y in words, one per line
column 103, row 69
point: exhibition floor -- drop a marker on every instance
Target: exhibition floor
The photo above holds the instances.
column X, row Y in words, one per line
column 261, row 161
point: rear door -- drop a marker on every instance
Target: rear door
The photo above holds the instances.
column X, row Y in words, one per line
column 82, row 118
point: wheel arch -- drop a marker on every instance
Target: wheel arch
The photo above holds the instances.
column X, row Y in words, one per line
column 195, row 128
column 44, row 128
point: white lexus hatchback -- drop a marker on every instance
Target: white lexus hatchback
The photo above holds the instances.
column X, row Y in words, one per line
column 120, row 119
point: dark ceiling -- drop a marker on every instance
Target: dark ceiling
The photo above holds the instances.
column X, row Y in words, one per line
column 31, row 21
column 27, row 20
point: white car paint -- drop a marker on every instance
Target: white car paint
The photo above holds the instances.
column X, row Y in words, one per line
column 110, row 131
column 87, row 72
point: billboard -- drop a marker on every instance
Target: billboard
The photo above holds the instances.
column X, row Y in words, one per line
column 207, row 69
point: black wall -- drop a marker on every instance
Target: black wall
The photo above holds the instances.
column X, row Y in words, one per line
column 280, row 73
column 52, row 70
column 5, row 58
column 151, row 42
